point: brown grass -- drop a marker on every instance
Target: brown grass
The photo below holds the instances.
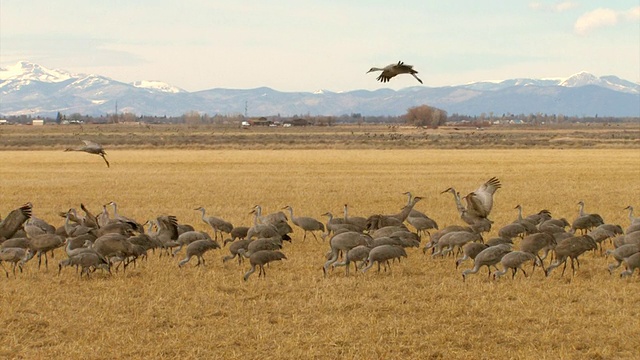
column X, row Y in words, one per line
column 419, row 310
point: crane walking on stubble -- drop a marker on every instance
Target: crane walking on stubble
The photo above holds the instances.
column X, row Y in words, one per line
column 91, row 148
column 392, row 70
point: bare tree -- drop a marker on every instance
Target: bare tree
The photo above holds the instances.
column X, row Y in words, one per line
column 425, row 115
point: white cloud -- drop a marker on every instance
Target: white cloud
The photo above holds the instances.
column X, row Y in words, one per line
column 603, row 17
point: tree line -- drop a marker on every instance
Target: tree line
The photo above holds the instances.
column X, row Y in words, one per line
column 420, row 116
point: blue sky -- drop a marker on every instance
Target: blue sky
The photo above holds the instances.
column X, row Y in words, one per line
column 330, row 44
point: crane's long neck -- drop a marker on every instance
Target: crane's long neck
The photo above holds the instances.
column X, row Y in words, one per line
column 409, row 200
column 290, row 211
column 346, row 212
column 407, row 209
column 202, row 210
column 456, row 197
column 581, row 211
column 115, row 209
column 631, row 218
column 67, row 227
column 519, row 212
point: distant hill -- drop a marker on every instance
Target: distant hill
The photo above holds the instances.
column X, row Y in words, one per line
column 28, row 88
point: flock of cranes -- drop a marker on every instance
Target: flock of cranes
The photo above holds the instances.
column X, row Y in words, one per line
column 107, row 240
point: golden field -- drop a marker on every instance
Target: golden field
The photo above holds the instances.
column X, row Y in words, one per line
column 421, row 309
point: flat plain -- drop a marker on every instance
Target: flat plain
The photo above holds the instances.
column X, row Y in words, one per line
column 420, row 309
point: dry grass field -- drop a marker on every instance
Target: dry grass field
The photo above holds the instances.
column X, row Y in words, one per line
column 421, row 309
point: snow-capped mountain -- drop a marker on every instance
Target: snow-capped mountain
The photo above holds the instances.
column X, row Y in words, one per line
column 27, row 88
column 157, row 85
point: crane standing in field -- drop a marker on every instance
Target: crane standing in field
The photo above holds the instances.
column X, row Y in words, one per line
column 91, row 148
column 392, row 70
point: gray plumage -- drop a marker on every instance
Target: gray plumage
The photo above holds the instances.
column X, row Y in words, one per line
column 44, row 243
column 632, row 219
column 307, row 224
column 421, row 222
column 534, row 243
column 358, row 253
column 260, row 258
column 344, row 242
column 22, row 243
column 512, row 230
column 571, row 249
column 585, row 221
column 217, row 224
column 392, row 70
column 488, row 257
column 480, row 201
column 197, row 249
column 452, row 240
column 382, row 254
column 235, row 248
column 91, row 148
column 188, row 237
column 622, row 253
column 632, row 263
column 13, row 255
column 88, row 262
column 514, row 261
column 470, row 251
column 14, row 220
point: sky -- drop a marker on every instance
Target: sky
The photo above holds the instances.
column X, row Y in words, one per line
column 298, row 45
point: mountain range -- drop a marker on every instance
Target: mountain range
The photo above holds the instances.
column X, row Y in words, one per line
column 31, row 89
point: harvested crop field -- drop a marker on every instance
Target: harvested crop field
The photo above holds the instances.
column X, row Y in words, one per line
column 420, row 309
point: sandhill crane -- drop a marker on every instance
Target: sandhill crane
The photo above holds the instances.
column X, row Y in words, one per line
column 307, row 224
column 512, row 230
column 632, row 219
column 13, row 255
column 16, row 242
column 219, row 225
column 488, row 257
column 336, row 225
column 344, row 242
column 535, row 242
column 514, row 261
column 378, row 221
column 273, row 218
column 585, row 221
column 470, row 251
column 420, row 221
column 44, row 243
column 124, row 219
column 571, row 249
column 392, row 70
column 188, row 237
column 235, row 248
column 622, row 253
column 480, row 201
column 354, row 220
column 198, row 248
column 450, row 241
column 88, row 261
column 632, row 263
column 260, row 258
column 384, row 253
column 91, row 148
column 13, row 222
column 358, row 253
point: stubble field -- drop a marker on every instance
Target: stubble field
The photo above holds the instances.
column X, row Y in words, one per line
column 421, row 309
